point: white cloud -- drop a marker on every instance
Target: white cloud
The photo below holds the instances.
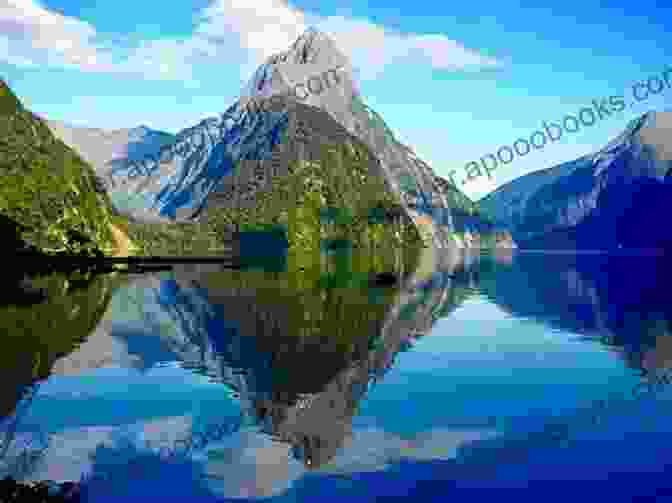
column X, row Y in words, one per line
column 478, row 187
column 30, row 33
column 372, row 47
column 261, row 26
column 373, row 449
column 265, row 27
column 242, row 32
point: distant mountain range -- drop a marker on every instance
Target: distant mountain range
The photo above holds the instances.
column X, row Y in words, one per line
column 101, row 148
column 607, row 200
column 153, row 176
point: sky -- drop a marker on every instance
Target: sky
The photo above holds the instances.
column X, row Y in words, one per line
column 455, row 81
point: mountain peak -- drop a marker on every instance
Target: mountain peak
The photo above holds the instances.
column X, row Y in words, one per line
column 315, row 75
column 312, row 49
column 309, row 35
column 141, row 129
column 312, row 46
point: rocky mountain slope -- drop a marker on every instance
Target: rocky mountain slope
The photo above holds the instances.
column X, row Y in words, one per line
column 312, row 205
column 507, row 203
column 250, row 144
column 606, row 200
column 473, row 227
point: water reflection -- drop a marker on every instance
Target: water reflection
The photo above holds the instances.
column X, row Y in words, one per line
column 618, row 301
column 205, row 381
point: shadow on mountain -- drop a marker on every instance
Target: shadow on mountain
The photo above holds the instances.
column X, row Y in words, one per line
column 606, row 200
column 627, row 216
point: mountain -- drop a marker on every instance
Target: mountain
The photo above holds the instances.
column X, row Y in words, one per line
column 312, row 205
column 473, row 227
column 104, row 149
column 605, row 200
column 50, row 200
column 256, row 138
column 101, row 148
column 507, row 202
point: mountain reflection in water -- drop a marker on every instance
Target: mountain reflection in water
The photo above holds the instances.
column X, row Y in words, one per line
column 471, row 371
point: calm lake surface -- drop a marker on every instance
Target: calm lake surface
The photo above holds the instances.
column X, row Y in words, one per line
column 544, row 374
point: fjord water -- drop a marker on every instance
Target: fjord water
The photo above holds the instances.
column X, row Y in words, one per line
column 535, row 372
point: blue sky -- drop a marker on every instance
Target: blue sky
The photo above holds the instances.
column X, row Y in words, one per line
column 455, row 81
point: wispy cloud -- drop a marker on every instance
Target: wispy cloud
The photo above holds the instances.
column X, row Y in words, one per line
column 241, row 32
column 33, row 35
column 372, row 47
column 265, row 27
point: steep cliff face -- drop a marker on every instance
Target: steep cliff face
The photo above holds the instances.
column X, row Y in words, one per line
column 46, row 189
column 321, row 183
column 177, row 181
column 609, row 199
column 472, row 226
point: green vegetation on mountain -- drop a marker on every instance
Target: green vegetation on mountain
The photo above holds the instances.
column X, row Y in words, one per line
column 332, row 199
column 52, row 197
column 173, row 239
column 339, row 181
column 46, row 188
